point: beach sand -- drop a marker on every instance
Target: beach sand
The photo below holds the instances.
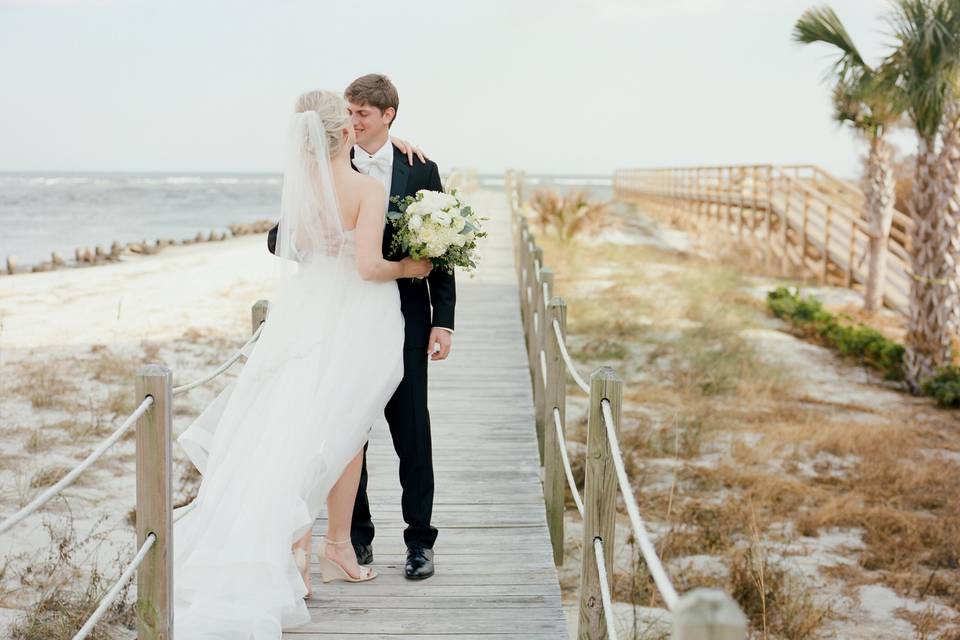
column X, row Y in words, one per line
column 137, row 299
column 70, row 344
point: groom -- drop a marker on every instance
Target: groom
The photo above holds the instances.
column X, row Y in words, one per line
column 428, row 309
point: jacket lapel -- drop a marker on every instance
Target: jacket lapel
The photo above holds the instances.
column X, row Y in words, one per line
column 401, row 171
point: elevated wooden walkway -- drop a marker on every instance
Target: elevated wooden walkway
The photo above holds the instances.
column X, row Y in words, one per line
column 495, row 574
column 800, row 215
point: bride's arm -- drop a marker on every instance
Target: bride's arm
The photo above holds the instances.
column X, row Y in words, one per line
column 370, row 262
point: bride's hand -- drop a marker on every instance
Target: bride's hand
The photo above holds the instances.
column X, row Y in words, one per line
column 416, row 268
column 408, row 150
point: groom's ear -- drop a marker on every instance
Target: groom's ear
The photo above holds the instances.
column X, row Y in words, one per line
column 390, row 113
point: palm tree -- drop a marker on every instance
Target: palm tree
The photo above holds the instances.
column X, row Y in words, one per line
column 868, row 100
column 927, row 63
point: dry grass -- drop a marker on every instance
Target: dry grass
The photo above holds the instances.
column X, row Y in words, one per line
column 776, row 601
column 567, row 215
column 68, row 595
column 48, row 476
column 747, row 455
column 44, row 386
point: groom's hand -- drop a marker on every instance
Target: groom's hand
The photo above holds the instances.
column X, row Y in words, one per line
column 439, row 345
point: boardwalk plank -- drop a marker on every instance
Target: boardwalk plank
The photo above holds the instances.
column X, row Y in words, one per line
column 495, row 576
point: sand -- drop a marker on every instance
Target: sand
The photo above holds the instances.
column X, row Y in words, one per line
column 78, row 335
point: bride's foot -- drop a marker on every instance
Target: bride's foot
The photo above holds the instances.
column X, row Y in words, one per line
column 303, row 566
column 339, row 561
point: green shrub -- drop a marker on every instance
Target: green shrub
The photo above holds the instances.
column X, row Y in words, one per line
column 944, row 387
column 859, row 341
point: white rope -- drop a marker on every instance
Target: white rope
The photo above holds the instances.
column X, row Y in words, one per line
column 566, row 462
column 566, row 358
column 543, row 367
column 529, row 294
column 115, row 590
column 216, row 372
column 659, row 574
column 536, row 269
column 68, row 479
column 605, row 590
column 536, row 324
column 546, row 295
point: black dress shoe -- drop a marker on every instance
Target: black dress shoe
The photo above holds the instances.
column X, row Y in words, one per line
column 419, row 563
column 364, row 553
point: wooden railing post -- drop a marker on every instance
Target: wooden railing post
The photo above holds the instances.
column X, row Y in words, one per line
column 543, row 338
column 523, row 266
column 554, row 482
column 826, row 245
column 852, row 256
column 599, row 501
column 768, row 254
column 258, row 314
column 155, row 503
column 533, row 323
column 804, row 241
column 785, row 231
column 708, row 614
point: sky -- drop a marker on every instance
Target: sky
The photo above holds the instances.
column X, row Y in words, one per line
column 560, row 86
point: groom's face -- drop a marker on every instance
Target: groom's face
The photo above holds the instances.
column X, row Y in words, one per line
column 369, row 123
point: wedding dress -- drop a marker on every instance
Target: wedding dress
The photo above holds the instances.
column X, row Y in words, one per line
column 275, row 441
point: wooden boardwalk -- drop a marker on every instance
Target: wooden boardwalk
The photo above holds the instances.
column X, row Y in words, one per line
column 495, row 576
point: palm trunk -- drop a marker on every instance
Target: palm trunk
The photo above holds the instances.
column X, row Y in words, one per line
column 934, row 300
column 880, row 195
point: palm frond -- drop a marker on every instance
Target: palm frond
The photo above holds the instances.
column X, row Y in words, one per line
column 822, row 24
column 927, row 58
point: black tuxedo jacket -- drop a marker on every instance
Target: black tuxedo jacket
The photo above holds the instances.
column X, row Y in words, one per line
column 425, row 303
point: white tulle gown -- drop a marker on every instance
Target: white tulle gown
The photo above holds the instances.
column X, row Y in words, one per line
column 273, row 444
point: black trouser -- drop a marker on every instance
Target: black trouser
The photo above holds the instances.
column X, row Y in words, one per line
column 409, row 422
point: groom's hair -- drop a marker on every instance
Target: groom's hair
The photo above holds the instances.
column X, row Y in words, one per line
column 375, row 90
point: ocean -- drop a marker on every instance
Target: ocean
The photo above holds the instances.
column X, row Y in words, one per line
column 45, row 212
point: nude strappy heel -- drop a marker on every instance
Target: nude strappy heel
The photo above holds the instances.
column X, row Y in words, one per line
column 332, row 570
column 300, row 557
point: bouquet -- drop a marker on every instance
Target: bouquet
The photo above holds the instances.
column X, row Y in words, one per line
column 438, row 226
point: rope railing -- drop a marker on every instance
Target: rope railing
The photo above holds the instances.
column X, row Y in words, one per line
column 115, row 590
column 154, row 511
column 219, row 370
column 654, row 565
column 568, row 470
column 698, row 614
column 74, row 473
column 567, row 360
column 605, row 598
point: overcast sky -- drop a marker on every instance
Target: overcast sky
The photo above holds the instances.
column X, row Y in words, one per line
column 559, row 86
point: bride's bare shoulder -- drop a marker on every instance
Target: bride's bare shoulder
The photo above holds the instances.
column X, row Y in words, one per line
column 367, row 187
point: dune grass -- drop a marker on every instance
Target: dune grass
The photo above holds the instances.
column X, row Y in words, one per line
column 731, row 456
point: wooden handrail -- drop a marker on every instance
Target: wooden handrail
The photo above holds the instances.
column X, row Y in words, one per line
column 820, row 231
column 698, row 614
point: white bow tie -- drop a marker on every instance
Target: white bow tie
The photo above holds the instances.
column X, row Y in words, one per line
column 365, row 162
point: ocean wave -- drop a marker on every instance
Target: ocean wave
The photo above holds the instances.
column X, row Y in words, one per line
column 125, row 181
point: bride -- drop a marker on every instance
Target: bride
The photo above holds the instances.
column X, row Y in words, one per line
column 289, row 433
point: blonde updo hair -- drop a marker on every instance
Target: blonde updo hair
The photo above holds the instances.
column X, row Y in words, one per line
column 332, row 109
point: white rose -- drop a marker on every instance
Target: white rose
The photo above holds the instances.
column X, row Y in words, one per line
column 442, row 217
column 415, row 222
column 435, row 201
column 458, row 223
